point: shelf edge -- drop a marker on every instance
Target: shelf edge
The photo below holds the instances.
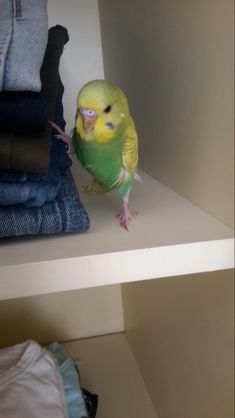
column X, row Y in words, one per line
column 126, row 266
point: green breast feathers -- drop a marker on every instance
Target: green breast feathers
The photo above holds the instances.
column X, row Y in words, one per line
column 103, row 161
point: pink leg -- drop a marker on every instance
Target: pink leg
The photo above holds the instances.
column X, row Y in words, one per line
column 125, row 216
column 62, row 135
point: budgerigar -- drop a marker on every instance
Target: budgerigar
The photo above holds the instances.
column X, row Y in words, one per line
column 105, row 141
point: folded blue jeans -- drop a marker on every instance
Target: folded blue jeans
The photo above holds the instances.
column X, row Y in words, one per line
column 30, row 151
column 23, row 112
column 23, row 40
column 64, row 214
column 32, row 189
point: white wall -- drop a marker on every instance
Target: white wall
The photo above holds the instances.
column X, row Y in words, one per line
column 174, row 59
column 61, row 316
column 181, row 330
column 175, row 62
column 82, row 58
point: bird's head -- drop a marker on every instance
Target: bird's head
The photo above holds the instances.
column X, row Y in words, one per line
column 102, row 110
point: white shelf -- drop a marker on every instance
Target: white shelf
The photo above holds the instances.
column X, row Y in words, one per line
column 169, row 237
column 108, row 368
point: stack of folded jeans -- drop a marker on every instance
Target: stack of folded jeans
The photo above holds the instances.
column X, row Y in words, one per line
column 23, row 104
column 37, row 192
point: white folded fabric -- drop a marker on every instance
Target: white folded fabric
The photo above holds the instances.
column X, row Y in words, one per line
column 30, row 383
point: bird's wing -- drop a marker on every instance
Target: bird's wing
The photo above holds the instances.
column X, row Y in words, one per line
column 130, row 149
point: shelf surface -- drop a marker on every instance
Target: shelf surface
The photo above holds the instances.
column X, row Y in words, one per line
column 169, row 237
column 108, row 368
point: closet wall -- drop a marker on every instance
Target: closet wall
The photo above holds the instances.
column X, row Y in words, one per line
column 62, row 316
column 175, row 60
column 82, row 57
column 181, row 330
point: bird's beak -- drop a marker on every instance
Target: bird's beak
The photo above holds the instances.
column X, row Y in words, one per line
column 88, row 123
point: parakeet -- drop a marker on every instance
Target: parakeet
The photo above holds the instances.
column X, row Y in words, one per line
column 105, row 141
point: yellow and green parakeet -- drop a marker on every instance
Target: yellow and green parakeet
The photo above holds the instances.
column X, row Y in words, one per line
column 105, row 141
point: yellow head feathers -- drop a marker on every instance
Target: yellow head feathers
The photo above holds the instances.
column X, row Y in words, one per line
column 99, row 94
column 102, row 111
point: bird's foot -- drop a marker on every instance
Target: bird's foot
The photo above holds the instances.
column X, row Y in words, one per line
column 63, row 136
column 125, row 217
column 88, row 188
column 96, row 187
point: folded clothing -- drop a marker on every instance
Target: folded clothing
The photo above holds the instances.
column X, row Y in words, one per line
column 91, row 401
column 58, row 37
column 23, row 37
column 61, row 214
column 74, row 395
column 30, row 383
column 31, row 189
column 64, row 214
column 23, row 112
column 31, row 152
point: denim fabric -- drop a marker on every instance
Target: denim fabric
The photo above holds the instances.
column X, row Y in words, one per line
column 64, row 214
column 35, row 189
column 31, row 152
column 23, row 112
column 6, row 27
column 23, row 34
column 31, row 194
column 74, row 396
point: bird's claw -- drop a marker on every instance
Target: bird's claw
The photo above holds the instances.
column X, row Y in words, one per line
column 63, row 136
column 125, row 217
column 87, row 189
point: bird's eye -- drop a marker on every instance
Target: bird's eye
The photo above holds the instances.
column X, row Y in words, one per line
column 89, row 113
column 107, row 109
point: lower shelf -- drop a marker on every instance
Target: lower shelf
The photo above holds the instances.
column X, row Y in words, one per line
column 108, row 368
